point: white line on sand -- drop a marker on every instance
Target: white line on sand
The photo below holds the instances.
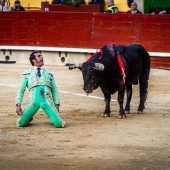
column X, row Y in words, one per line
column 66, row 92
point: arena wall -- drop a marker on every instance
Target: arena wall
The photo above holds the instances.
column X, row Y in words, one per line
column 81, row 31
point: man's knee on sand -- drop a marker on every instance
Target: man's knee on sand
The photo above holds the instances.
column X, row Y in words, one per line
column 57, row 124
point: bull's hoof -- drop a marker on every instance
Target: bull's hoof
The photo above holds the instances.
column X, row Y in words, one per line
column 127, row 111
column 105, row 115
column 122, row 116
column 140, row 112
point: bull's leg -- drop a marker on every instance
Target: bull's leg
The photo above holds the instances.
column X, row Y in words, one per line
column 143, row 96
column 107, row 108
column 121, row 93
column 129, row 96
column 143, row 85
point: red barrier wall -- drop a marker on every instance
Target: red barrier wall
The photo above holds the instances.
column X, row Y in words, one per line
column 152, row 31
column 45, row 29
column 84, row 30
column 159, row 62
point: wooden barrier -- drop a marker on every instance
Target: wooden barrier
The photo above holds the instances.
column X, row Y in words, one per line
column 72, row 8
column 84, row 30
column 160, row 62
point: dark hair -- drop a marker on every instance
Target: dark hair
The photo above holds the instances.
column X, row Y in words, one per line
column 129, row 3
column 17, row 2
column 32, row 57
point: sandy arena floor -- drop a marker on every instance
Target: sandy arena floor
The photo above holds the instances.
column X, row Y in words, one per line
column 89, row 142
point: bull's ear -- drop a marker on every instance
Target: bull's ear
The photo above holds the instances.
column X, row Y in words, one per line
column 99, row 67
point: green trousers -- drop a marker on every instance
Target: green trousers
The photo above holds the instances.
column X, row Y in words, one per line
column 40, row 97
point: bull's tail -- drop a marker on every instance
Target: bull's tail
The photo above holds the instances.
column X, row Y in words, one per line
column 143, row 81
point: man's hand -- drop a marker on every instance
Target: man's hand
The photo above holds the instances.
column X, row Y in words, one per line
column 19, row 110
column 57, row 107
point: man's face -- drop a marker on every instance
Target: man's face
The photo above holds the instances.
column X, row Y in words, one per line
column 38, row 61
column 2, row 2
column 109, row 3
column 133, row 6
column 17, row 5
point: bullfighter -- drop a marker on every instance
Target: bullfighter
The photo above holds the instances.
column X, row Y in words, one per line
column 43, row 93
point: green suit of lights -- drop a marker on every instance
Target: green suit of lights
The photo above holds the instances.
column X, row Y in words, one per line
column 43, row 94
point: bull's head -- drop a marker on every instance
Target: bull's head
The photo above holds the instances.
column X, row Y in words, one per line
column 90, row 75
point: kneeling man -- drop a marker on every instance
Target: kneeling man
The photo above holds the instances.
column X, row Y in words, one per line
column 43, row 93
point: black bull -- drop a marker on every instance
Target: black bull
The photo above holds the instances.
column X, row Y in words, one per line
column 103, row 70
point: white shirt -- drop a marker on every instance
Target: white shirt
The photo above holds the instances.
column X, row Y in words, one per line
column 41, row 70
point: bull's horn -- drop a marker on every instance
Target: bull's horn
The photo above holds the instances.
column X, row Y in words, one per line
column 75, row 66
column 99, row 66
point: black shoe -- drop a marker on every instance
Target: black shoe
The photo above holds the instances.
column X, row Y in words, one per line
column 31, row 119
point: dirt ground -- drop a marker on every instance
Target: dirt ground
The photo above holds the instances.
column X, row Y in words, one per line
column 139, row 142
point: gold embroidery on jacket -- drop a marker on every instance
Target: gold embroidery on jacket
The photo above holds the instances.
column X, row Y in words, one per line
column 34, row 80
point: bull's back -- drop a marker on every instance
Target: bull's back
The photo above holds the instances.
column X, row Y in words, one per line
column 138, row 50
column 143, row 55
column 135, row 59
